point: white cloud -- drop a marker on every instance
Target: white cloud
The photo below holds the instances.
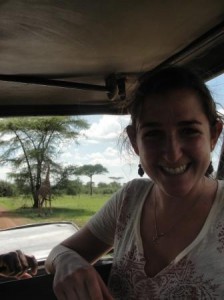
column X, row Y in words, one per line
column 221, row 111
column 98, row 158
column 110, row 152
column 106, row 128
column 4, row 171
column 107, row 157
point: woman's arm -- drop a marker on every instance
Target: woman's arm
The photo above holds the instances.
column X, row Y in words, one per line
column 75, row 277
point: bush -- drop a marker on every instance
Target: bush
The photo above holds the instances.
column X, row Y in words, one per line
column 7, row 189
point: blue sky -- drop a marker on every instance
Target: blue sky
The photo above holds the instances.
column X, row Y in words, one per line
column 100, row 144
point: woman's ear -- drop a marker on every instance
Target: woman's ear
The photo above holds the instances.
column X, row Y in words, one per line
column 131, row 131
column 215, row 133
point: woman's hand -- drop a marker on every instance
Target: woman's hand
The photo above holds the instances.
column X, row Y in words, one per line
column 17, row 264
column 76, row 279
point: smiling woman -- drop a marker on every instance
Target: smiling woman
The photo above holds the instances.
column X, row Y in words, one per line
column 67, row 60
column 170, row 228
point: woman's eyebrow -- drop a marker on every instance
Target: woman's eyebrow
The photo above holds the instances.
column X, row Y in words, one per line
column 189, row 122
column 158, row 124
column 150, row 124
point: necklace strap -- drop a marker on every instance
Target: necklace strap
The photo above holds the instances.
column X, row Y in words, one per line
column 158, row 235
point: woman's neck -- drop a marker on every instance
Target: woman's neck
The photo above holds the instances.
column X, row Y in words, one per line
column 203, row 190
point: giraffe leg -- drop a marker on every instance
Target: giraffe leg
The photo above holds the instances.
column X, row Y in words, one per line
column 45, row 205
column 50, row 208
column 41, row 206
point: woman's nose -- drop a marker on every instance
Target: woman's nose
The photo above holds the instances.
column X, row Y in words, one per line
column 172, row 149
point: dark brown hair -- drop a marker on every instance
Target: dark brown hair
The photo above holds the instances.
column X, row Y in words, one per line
column 172, row 78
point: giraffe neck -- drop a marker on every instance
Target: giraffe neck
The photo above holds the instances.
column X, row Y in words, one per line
column 47, row 179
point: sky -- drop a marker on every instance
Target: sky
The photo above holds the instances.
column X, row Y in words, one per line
column 102, row 144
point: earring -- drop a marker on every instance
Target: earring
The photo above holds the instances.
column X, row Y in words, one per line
column 140, row 170
column 209, row 170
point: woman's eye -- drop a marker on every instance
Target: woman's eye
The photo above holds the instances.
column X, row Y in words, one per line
column 190, row 131
column 152, row 134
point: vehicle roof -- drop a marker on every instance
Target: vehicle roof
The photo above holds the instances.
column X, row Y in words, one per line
column 83, row 57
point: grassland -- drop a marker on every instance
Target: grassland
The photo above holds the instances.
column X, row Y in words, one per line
column 76, row 209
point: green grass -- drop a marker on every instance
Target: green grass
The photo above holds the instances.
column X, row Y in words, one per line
column 76, row 209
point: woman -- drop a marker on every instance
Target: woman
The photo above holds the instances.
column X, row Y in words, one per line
column 167, row 231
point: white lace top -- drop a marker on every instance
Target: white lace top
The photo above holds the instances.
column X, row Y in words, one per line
column 196, row 273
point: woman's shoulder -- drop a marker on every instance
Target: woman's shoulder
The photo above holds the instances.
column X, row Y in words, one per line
column 218, row 204
column 138, row 184
column 220, row 190
column 221, row 183
column 135, row 189
column 132, row 190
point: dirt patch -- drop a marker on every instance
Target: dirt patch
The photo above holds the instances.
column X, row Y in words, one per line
column 7, row 221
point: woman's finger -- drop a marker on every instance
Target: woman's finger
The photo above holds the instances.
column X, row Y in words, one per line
column 27, row 262
column 96, row 288
column 105, row 291
column 32, row 263
column 14, row 264
column 10, row 264
column 24, row 276
column 65, row 292
column 22, row 261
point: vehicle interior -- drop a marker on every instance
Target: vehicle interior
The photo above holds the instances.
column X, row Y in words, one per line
column 84, row 57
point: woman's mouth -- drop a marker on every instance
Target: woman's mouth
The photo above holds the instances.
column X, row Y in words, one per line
column 175, row 171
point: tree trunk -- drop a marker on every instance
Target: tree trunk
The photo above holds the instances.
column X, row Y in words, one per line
column 91, row 185
column 35, row 200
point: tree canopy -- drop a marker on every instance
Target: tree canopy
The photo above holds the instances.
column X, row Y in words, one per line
column 28, row 144
column 90, row 171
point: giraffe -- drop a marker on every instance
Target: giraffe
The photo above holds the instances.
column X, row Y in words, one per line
column 44, row 192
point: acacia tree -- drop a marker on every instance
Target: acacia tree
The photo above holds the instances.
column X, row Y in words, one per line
column 116, row 179
column 28, row 144
column 90, row 170
column 63, row 182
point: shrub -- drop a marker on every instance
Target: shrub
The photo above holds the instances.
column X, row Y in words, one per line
column 7, row 189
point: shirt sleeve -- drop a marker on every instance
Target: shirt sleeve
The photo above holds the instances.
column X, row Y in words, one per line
column 103, row 223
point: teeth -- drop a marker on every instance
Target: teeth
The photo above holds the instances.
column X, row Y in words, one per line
column 175, row 171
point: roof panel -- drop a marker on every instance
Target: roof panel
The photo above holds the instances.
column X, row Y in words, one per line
column 85, row 41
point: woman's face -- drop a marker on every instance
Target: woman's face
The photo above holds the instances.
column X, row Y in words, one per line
column 174, row 140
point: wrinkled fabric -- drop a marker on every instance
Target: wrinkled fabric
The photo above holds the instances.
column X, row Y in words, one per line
column 196, row 273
